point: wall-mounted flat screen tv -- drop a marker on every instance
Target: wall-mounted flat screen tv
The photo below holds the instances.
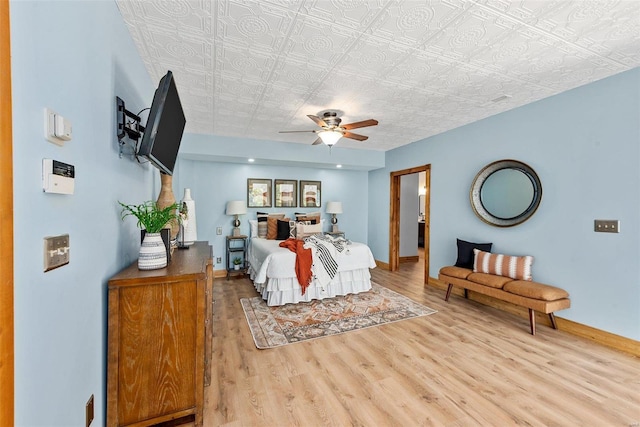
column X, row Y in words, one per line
column 164, row 128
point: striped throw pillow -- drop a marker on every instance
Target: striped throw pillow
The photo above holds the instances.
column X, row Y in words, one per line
column 516, row 267
column 262, row 225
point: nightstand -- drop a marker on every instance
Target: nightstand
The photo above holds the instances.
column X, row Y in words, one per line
column 236, row 249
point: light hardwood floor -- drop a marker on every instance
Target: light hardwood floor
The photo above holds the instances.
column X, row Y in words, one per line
column 467, row 365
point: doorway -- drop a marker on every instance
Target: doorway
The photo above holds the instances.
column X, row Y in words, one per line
column 394, row 219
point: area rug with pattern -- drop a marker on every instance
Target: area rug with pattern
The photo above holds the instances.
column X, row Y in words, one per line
column 290, row 323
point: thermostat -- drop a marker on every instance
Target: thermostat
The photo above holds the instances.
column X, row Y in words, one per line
column 57, row 177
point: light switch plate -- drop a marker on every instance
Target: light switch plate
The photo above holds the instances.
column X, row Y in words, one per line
column 56, row 251
column 606, row 225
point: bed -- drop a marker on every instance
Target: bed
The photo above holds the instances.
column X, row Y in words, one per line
column 272, row 269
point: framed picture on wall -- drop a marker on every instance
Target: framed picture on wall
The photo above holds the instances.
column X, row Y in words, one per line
column 310, row 194
column 285, row 193
column 258, row 193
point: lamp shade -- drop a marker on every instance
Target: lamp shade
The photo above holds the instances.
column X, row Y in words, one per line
column 334, row 207
column 236, row 207
column 330, row 137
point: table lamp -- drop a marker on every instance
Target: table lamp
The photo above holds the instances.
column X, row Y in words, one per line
column 235, row 208
column 334, row 208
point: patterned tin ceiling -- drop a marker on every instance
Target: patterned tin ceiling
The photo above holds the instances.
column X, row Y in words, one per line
column 252, row 68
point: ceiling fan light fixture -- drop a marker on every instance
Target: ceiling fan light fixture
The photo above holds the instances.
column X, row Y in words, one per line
column 330, row 137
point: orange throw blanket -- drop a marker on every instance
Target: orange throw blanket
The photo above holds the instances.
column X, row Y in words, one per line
column 303, row 261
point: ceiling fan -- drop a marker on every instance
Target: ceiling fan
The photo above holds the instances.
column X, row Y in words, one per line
column 331, row 129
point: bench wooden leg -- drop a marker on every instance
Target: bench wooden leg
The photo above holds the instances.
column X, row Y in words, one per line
column 446, row 297
column 532, row 321
column 553, row 321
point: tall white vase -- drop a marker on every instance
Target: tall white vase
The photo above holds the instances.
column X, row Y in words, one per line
column 190, row 234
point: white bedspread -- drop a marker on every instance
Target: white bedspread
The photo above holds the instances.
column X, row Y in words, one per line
column 272, row 270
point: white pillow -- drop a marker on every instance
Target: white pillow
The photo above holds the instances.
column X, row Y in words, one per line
column 304, row 230
column 293, row 229
column 254, row 227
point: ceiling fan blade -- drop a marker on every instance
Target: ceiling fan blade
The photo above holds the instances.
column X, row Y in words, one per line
column 362, row 124
column 355, row 136
column 318, row 141
column 295, row 131
column 318, row 120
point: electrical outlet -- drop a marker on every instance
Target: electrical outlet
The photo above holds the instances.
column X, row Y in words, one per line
column 219, row 260
column 219, row 231
column 56, row 251
column 89, row 411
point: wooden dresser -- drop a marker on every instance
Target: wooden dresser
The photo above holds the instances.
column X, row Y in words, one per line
column 159, row 340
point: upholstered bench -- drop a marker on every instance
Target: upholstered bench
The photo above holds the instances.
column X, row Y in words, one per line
column 526, row 293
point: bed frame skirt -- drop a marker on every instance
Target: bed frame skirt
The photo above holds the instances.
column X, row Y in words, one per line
column 280, row 291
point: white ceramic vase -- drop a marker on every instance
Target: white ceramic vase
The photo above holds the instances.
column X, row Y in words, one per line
column 190, row 235
column 153, row 253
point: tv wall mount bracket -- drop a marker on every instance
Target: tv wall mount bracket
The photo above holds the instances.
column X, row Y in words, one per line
column 128, row 124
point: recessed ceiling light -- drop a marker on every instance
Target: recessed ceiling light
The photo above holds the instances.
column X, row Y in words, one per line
column 251, row 160
column 338, row 166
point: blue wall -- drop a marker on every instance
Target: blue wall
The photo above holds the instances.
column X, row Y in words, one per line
column 585, row 146
column 73, row 57
column 214, row 184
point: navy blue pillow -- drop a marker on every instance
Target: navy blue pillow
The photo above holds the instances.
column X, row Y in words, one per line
column 465, row 252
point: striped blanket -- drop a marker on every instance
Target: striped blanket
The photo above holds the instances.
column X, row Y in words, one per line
column 325, row 249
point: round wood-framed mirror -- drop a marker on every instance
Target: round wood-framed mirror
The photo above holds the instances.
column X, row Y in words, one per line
column 505, row 193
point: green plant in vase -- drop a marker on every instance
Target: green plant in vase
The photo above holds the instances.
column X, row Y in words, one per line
column 152, row 219
column 236, row 263
column 150, row 216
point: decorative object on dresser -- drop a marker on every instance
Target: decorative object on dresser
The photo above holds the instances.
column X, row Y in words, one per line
column 184, row 210
column 166, row 199
column 189, row 232
column 153, row 253
column 152, row 218
column 334, row 208
column 159, row 341
column 235, row 208
column 165, row 234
